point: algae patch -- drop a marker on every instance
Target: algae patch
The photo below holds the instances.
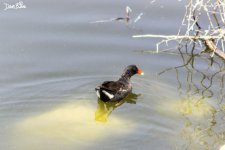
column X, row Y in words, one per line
column 192, row 106
column 69, row 124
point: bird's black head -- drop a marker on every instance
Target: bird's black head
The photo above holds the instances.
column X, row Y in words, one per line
column 132, row 70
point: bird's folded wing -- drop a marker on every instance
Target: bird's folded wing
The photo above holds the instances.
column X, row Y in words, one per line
column 113, row 87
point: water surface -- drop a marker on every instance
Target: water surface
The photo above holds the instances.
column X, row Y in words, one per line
column 53, row 55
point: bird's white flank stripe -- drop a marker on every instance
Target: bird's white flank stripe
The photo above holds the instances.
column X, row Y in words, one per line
column 108, row 94
column 97, row 93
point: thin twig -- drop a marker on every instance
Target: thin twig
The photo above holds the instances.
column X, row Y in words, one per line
column 176, row 36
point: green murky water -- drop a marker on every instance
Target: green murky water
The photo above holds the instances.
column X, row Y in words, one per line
column 52, row 57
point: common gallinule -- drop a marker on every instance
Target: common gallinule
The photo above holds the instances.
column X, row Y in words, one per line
column 111, row 91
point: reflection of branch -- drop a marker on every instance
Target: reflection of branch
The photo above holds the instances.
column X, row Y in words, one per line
column 181, row 66
column 191, row 131
column 201, row 133
column 189, row 66
column 204, row 86
column 222, row 89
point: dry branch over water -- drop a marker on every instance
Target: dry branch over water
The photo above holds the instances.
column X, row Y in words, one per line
column 209, row 37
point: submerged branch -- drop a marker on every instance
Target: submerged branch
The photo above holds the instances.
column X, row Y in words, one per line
column 176, row 37
column 207, row 39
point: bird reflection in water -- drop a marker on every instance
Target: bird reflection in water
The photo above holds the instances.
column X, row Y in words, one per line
column 104, row 109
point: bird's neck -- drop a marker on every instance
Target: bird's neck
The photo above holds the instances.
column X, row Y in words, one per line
column 125, row 77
